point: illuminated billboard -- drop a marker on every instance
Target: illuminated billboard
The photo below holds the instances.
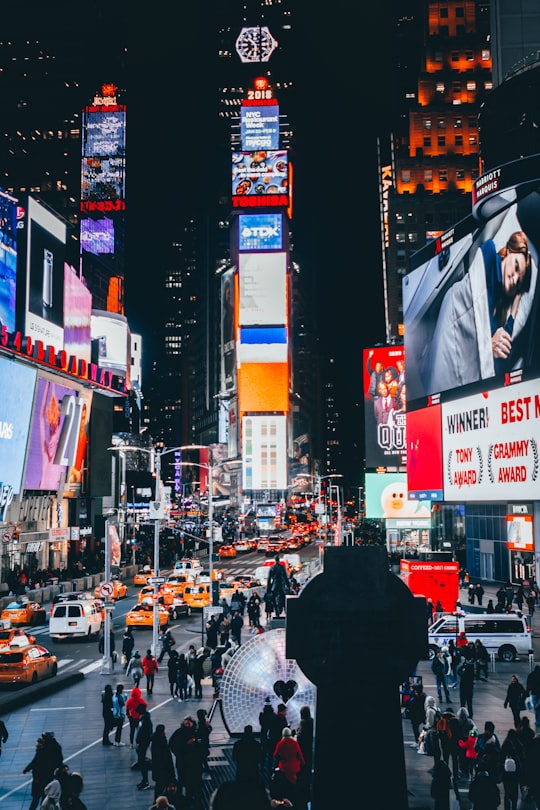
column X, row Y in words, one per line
column 97, row 235
column 259, row 173
column 386, row 497
column 77, row 318
column 54, row 435
column 263, row 344
column 385, row 405
column 260, row 231
column 17, row 383
column 424, row 454
column 470, row 307
column 228, row 330
column 263, row 289
column 259, row 127
column 520, row 532
column 104, row 133
column 264, row 452
column 491, row 445
column 45, row 251
column 111, row 336
column 263, row 387
column 8, row 259
column 103, row 178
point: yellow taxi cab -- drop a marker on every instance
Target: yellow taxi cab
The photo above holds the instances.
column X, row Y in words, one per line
column 17, row 638
column 28, row 664
column 141, row 577
column 227, row 551
column 119, row 590
column 174, row 603
column 198, row 595
column 142, row 615
column 23, row 611
column 177, row 583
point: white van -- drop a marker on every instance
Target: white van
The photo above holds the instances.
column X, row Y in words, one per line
column 507, row 635
column 72, row 619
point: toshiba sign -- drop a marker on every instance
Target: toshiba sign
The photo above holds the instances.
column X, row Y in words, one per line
column 491, row 445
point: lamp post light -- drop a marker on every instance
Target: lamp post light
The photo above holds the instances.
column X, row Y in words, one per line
column 107, row 662
column 210, row 469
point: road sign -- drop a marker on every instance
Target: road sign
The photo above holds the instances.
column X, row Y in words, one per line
column 155, row 580
column 106, row 589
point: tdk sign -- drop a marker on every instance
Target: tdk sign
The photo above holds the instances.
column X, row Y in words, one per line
column 260, row 231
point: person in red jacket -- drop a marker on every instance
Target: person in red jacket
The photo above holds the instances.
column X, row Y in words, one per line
column 134, row 701
column 289, row 760
column 150, row 667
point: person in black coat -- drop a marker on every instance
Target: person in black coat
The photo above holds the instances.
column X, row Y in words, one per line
column 128, row 643
column 107, row 710
column 143, row 738
column 247, row 754
column 415, row 710
column 440, row 785
column 162, row 762
column 465, row 673
column 171, row 673
column 515, row 698
column 304, row 738
column 43, row 765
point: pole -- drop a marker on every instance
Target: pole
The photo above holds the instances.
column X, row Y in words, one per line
column 123, row 504
column 106, row 662
column 211, row 531
column 155, row 626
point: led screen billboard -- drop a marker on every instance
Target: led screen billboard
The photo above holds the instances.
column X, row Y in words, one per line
column 77, row 318
column 17, row 384
column 97, row 235
column 263, row 344
column 45, row 251
column 259, row 173
column 259, row 127
column 520, row 532
column 103, row 178
column 387, row 497
column 228, row 330
column 110, row 332
column 263, row 289
column 104, row 133
column 264, row 452
column 471, row 305
column 490, row 445
column 260, row 231
column 8, row 259
column 263, row 387
column 424, row 454
column 385, row 405
column 54, row 434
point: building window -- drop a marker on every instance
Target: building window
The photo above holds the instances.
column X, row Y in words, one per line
column 428, row 176
column 473, row 140
column 400, row 238
column 441, row 140
column 460, row 11
column 458, row 123
column 444, row 31
column 473, row 123
column 443, row 176
column 488, row 85
column 455, row 56
column 486, row 56
column 471, row 85
column 411, row 217
column 401, row 271
column 406, row 176
column 460, row 174
column 443, row 13
column 427, row 123
column 460, row 30
column 400, row 219
column 427, row 141
column 456, row 87
column 412, row 237
column 438, row 56
column 469, row 56
column 439, row 87
column 459, row 140
column 441, row 123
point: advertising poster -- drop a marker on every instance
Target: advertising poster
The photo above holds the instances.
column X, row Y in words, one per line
column 259, row 127
column 264, row 452
column 228, row 331
column 471, row 308
column 260, row 232
column 387, row 497
column 97, row 235
column 105, row 133
column 78, row 315
column 46, row 243
column 53, row 436
column 259, row 173
column 8, row 259
column 385, row 405
column 424, row 454
column 17, row 384
column 300, row 479
column 263, row 289
column 490, row 445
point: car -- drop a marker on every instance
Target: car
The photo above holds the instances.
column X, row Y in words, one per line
column 227, row 551
column 198, row 596
column 142, row 615
column 243, row 546
column 179, row 608
column 141, row 577
column 28, row 664
column 189, row 564
column 15, row 638
column 119, row 592
column 177, row 583
column 262, row 544
column 243, row 581
column 24, row 611
column 71, row 596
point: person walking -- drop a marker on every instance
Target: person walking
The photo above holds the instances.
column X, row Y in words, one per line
column 266, row 721
column 415, row 711
column 203, row 731
column 143, row 738
column 268, row 600
column 483, row 791
column 440, row 666
column 178, row 741
column 51, row 796
column 515, row 698
column 150, row 667
column 512, row 772
column 162, row 762
column 449, row 733
column 247, row 754
column 430, row 730
column 128, row 644
column 135, row 668
column 41, row 772
column 254, row 610
column 441, row 782
column 167, row 644
column 479, row 593
column 467, row 754
column 519, row 597
column 133, row 705
column 481, row 661
column 465, row 673
column 533, row 689
column 488, row 748
column 471, row 593
column 119, row 713
column 289, row 760
column 237, row 623
column 198, row 672
column 531, row 602
column 107, row 712
column 181, row 677
column 305, row 739
column 3, row 735
column 171, row 673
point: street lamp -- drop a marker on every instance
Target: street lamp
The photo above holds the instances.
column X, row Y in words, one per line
column 107, row 662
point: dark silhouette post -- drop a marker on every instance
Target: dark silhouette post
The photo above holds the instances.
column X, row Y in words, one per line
column 357, row 632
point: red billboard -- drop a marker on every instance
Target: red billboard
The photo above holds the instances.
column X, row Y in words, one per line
column 385, row 404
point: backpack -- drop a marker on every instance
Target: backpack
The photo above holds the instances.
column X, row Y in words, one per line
column 443, row 727
column 510, row 764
